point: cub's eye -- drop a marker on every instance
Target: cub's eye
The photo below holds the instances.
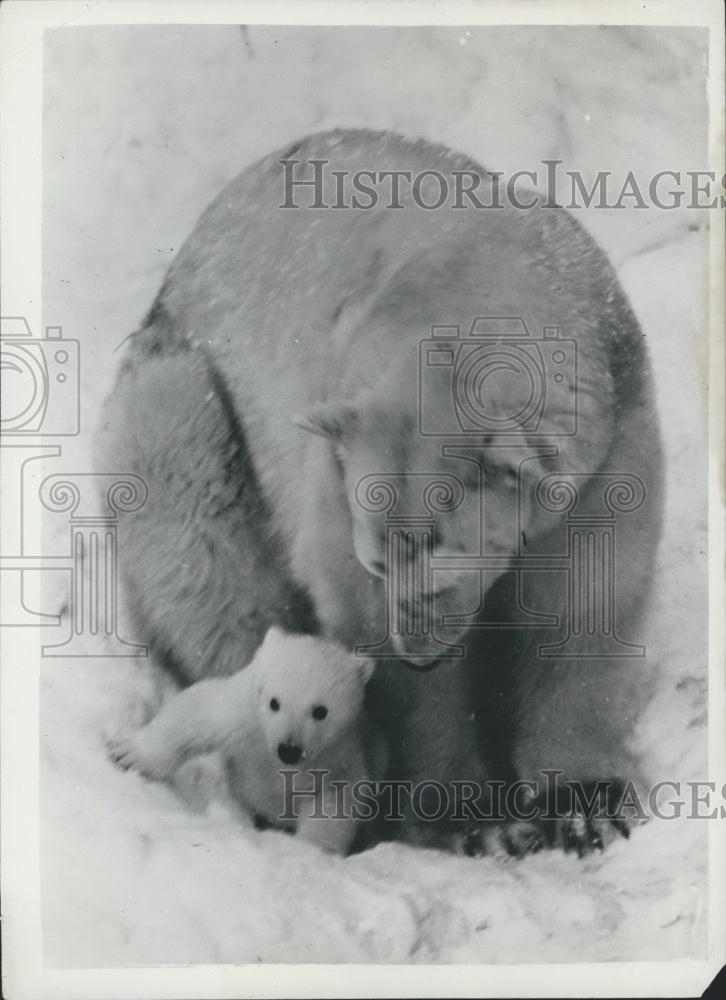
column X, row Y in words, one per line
column 319, row 712
column 274, row 704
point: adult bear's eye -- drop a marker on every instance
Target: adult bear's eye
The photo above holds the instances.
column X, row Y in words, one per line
column 274, row 704
column 319, row 712
column 510, row 477
column 503, row 476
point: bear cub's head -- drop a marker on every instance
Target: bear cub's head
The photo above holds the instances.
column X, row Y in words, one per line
column 310, row 694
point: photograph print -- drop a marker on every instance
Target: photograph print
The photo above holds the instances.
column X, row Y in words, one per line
column 364, row 422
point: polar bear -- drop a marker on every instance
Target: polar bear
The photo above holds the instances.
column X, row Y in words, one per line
column 280, row 370
column 289, row 726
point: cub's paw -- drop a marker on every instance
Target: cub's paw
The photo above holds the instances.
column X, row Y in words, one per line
column 132, row 751
column 125, row 752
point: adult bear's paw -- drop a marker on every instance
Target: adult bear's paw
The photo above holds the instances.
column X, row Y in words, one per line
column 589, row 818
column 487, row 838
column 503, row 839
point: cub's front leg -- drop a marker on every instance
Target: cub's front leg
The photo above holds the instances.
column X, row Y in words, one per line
column 327, row 820
column 144, row 751
column 202, row 718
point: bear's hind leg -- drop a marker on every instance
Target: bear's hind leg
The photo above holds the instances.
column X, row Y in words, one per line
column 205, row 579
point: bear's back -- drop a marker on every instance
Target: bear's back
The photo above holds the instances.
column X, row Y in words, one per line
column 298, row 304
column 289, row 293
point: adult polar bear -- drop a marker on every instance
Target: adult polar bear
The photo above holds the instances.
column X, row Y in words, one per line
column 273, row 321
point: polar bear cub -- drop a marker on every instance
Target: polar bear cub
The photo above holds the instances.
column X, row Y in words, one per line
column 296, row 708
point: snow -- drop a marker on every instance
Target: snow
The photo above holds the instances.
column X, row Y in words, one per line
column 142, row 128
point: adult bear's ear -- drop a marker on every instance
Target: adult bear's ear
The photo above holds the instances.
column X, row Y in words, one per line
column 330, row 420
column 366, row 668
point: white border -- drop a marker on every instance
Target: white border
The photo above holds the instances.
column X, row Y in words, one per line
column 22, row 25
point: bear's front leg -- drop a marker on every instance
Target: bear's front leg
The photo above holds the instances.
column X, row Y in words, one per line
column 432, row 728
column 575, row 751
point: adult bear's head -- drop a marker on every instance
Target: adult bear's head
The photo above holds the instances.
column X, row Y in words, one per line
column 414, row 494
column 410, row 499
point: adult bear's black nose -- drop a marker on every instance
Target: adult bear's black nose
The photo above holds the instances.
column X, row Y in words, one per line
column 289, row 753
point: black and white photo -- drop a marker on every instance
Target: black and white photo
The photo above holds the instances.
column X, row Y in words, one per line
column 362, row 465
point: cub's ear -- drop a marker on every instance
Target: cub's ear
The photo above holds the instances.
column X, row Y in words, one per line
column 330, row 420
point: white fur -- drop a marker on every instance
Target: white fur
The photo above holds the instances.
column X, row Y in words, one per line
column 234, row 715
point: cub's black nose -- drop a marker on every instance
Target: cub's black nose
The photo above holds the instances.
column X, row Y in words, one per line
column 289, row 753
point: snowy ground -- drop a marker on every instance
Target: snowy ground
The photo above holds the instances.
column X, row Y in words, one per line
column 142, row 128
